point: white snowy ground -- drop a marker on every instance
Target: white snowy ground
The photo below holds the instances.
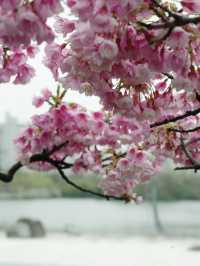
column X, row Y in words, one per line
column 63, row 250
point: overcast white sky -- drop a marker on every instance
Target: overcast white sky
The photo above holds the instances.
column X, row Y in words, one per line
column 17, row 99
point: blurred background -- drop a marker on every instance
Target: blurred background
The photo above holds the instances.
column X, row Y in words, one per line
column 45, row 222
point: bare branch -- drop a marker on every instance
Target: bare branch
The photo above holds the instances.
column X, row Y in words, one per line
column 169, row 20
column 43, row 157
column 194, row 168
column 176, row 118
column 188, row 155
column 195, row 165
column 97, row 194
column 185, row 130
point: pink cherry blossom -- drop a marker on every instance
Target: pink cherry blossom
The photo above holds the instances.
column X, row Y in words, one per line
column 107, row 49
column 64, row 26
column 142, row 61
column 38, row 101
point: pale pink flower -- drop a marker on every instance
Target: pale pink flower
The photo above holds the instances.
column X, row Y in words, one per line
column 38, row 101
column 123, row 164
column 64, row 26
column 24, row 74
column 46, row 94
column 107, row 48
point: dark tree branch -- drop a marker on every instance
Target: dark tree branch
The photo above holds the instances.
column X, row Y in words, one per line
column 97, row 194
column 168, row 75
column 180, row 21
column 187, row 153
column 9, row 176
column 43, row 157
column 194, row 168
column 195, row 165
column 6, row 178
column 57, row 147
column 179, row 18
column 185, row 130
column 169, row 20
column 176, row 118
column 59, row 166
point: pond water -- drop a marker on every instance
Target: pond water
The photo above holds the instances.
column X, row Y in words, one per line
column 80, row 215
column 100, row 216
column 101, row 233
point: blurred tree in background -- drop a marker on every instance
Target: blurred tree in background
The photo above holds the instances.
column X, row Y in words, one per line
column 170, row 186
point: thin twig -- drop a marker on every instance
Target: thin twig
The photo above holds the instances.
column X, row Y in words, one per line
column 195, row 165
column 187, row 153
column 194, row 168
column 97, row 194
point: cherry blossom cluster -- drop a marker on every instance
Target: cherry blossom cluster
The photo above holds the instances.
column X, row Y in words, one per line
column 141, row 58
column 14, row 66
column 23, row 23
column 126, row 151
column 108, row 51
column 110, row 146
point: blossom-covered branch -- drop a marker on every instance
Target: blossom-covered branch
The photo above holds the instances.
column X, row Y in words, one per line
column 45, row 158
column 177, row 118
column 141, row 58
column 42, row 157
column 168, row 19
column 194, row 164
